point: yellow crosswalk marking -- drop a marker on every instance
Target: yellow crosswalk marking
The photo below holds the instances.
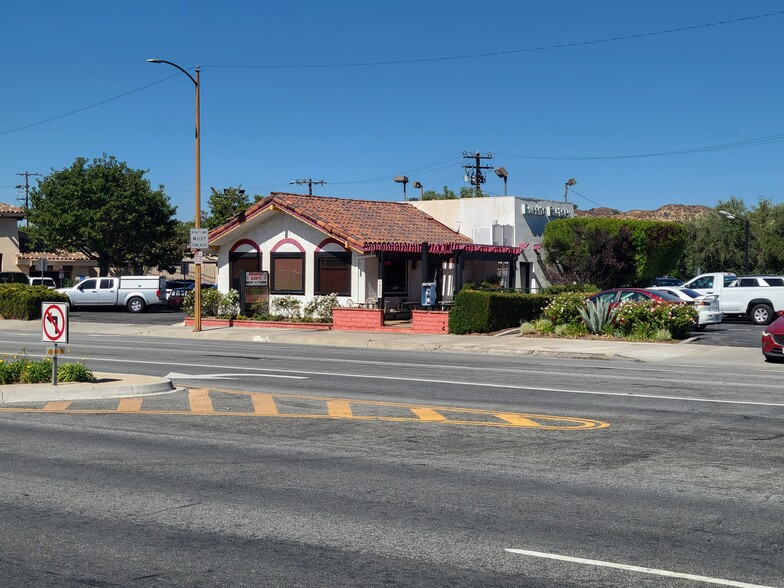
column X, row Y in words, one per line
column 57, row 406
column 519, row 420
column 200, row 401
column 323, row 407
column 427, row 414
column 339, row 408
column 264, row 404
column 129, row 405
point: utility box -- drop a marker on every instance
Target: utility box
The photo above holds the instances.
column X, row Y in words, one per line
column 428, row 294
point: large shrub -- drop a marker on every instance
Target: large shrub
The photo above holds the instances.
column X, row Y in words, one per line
column 612, row 252
column 483, row 312
column 18, row 301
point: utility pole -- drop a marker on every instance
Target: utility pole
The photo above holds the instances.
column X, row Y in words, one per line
column 474, row 172
column 26, row 187
column 310, row 183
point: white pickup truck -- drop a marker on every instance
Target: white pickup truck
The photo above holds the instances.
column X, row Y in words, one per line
column 738, row 296
column 136, row 293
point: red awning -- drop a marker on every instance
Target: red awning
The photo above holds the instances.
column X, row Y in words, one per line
column 442, row 248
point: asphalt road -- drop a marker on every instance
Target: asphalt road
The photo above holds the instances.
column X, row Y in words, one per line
column 306, row 466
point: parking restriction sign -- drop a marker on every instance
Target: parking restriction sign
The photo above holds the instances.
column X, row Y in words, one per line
column 54, row 319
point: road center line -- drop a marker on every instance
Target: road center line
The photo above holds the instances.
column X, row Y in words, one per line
column 642, row 570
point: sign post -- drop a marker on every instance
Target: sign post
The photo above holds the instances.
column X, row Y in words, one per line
column 54, row 323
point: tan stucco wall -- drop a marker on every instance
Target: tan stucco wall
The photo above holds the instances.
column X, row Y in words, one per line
column 9, row 244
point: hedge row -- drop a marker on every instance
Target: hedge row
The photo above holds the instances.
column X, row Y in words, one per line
column 18, row 301
column 483, row 312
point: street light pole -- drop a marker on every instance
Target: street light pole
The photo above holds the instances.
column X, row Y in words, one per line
column 197, row 199
column 746, row 248
column 745, row 221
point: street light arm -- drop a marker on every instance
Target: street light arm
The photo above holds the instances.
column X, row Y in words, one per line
column 157, row 60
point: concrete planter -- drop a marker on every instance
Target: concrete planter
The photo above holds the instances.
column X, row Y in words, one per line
column 249, row 323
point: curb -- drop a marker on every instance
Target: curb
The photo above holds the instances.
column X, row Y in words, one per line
column 82, row 390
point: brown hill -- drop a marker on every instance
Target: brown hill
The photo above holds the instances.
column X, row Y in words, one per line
column 668, row 212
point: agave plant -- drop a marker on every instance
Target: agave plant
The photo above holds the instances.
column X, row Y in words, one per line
column 597, row 315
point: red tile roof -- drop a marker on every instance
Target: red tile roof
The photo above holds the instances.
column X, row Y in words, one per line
column 12, row 211
column 54, row 255
column 364, row 225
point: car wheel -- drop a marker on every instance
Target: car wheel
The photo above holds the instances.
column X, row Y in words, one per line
column 699, row 327
column 136, row 305
column 761, row 314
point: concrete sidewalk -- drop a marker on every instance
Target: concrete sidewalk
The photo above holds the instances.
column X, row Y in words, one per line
column 682, row 353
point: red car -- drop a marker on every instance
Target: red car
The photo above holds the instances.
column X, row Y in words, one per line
column 616, row 295
column 773, row 339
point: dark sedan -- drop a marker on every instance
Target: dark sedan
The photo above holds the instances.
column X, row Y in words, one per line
column 773, row 339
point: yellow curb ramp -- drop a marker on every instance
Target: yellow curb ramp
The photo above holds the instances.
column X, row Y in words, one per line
column 108, row 385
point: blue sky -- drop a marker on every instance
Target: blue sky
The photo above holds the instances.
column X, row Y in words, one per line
column 356, row 127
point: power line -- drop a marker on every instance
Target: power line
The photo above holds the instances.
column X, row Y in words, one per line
column 572, row 190
column 767, row 140
column 78, row 110
column 420, row 60
column 421, row 170
column 511, row 51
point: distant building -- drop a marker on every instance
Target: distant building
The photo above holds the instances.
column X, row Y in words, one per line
column 502, row 221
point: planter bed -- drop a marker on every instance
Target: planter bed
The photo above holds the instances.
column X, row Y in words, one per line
column 249, row 323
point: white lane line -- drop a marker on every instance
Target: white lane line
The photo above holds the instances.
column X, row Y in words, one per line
column 654, row 571
column 452, row 382
column 179, row 376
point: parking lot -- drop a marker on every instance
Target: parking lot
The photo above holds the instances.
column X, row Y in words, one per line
column 731, row 332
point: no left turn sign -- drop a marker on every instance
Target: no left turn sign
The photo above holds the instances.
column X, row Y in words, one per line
column 54, row 319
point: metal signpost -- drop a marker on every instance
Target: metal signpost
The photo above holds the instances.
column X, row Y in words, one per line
column 54, row 323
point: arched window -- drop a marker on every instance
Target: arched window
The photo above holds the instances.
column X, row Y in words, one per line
column 243, row 256
column 287, row 259
column 332, row 269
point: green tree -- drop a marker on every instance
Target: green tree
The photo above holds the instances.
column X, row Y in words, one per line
column 225, row 205
column 447, row 194
column 107, row 211
column 716, row 243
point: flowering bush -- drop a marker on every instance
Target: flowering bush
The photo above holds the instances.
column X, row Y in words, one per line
column 287, row 307
column 319, row 309
column 565, row 308
column 642, row 320
column 213, row 303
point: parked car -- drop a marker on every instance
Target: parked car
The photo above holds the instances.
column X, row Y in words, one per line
column 773, row 339
column 13, row 278
column 617, row 295
column 667, row 281
column 708, row 311
column 759, row 303
column 42, row 281
column 136, row 293
column 177, row 297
